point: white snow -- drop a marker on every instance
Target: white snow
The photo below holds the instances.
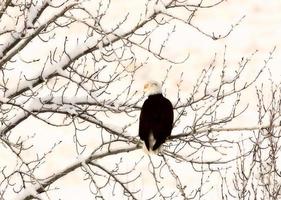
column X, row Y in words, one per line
column 81, row 159
column 229, row 77
column 29, row 190
column 44, row 20
column 69, row 109
column 159, row 6
column 48, row 1
column 4, row 99
column 98, row 55
column 100, row 45
column 32, row 13
column 87, row 168
column 32, row 104
column 211, row 91
column 248, row 32
column 2, row 47
column 46, row 97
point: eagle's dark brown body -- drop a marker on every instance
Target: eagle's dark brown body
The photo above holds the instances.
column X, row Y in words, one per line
column 156, row 118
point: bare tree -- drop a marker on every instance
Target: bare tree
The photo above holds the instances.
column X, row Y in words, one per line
column 73, row 66
column 258, row 171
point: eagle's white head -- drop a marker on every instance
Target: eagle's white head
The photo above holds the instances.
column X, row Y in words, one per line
column 152, row 87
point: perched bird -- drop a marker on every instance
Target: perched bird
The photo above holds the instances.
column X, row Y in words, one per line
column 156, row 117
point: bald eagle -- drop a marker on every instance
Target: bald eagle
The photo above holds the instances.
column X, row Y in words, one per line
column 156, row 117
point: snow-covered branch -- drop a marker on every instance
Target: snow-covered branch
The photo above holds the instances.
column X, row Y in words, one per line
column 71, row 77
column 41, row 186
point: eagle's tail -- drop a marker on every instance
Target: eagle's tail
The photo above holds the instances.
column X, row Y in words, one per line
column 158, row 143
column 149, row 142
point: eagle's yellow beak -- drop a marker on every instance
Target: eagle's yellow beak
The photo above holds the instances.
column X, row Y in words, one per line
column 145, row 86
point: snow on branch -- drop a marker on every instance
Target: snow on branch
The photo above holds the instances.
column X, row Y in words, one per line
column 40, row 187
column 75, row 67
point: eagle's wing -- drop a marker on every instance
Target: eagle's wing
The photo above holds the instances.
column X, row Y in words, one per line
column 156, row 117
column 164, row 122
column 145, row 123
